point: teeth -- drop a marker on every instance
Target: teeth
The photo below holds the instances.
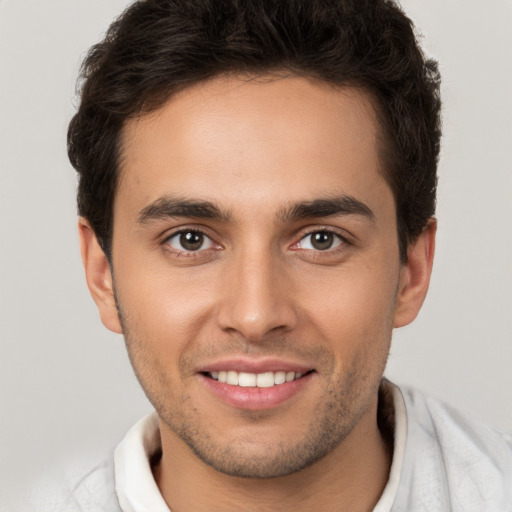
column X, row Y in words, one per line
column 232, row 378
column 247, row 380
column 280, row 377
column 265, row 380
column 252, row 380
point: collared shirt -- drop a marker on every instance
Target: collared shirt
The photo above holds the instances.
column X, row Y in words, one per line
column 137, row 490
column 442, row 462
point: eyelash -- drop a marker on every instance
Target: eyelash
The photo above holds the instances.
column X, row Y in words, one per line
column 322, row 255
column 188, row 253
column 294, row 247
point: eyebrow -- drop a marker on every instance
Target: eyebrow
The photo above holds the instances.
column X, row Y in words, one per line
column 326, row 207
column 165, row 207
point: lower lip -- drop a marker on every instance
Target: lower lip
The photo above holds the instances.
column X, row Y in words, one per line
column 253, row 398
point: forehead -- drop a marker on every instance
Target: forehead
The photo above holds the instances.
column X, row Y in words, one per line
column 255, row 141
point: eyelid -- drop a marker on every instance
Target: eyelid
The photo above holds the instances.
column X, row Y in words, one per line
column 340, row 241
column 345, row 236
column 188, row 229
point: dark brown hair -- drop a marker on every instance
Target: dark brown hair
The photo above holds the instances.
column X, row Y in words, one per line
column 157, row 47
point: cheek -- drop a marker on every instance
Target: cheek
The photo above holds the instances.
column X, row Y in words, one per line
column 162, row 319
column 163, row 309
column 352, row 308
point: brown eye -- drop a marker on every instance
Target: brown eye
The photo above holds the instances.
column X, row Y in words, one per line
column 321, row 241
column 190, row 241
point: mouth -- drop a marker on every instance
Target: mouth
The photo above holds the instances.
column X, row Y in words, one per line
column 255, row 380
column 256, row 384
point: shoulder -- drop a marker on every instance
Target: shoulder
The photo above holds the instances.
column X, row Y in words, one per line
column 462, row 439
column 82, row 489
column 453, row 461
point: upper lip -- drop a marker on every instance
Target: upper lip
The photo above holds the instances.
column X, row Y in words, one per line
column 252, row 365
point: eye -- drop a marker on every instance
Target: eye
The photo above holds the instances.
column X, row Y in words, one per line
column 320, row 241
column 190, row 241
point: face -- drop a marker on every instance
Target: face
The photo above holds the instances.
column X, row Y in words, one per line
column 256, row 269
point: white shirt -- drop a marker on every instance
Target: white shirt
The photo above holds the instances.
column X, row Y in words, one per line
column 442, row 462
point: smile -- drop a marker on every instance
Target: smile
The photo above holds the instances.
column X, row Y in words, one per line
column 250, row 384
column 255, row 380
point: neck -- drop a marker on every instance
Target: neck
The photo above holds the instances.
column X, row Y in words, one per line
column 350, row 477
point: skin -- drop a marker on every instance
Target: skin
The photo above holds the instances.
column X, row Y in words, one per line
column 258, row 289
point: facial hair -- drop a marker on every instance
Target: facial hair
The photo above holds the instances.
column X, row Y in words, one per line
column 346, row 399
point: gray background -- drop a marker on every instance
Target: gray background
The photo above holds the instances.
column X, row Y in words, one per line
column 66, row 386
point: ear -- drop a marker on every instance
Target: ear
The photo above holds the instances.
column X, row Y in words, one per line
column 99, row 276
column 415, row 276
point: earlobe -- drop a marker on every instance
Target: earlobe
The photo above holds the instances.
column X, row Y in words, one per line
column 99, row 276
column 415, row 276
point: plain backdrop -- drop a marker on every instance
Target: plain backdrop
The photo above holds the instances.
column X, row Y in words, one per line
column 66, row 387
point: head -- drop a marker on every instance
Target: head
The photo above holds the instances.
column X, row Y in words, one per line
column 257, row 185
column 158, row 48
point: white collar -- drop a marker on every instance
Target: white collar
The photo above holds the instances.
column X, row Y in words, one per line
column 388, row 496
column 137, row 490
column 135, row 486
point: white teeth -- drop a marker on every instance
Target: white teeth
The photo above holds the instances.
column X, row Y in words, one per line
column 247, row 380
column 252, row 380
column 279, row 377
column 232, row 378
column 265, row 380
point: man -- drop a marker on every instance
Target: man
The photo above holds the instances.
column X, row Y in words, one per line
column 257, row 192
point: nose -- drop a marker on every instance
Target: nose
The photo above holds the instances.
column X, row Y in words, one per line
column 258, row 297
